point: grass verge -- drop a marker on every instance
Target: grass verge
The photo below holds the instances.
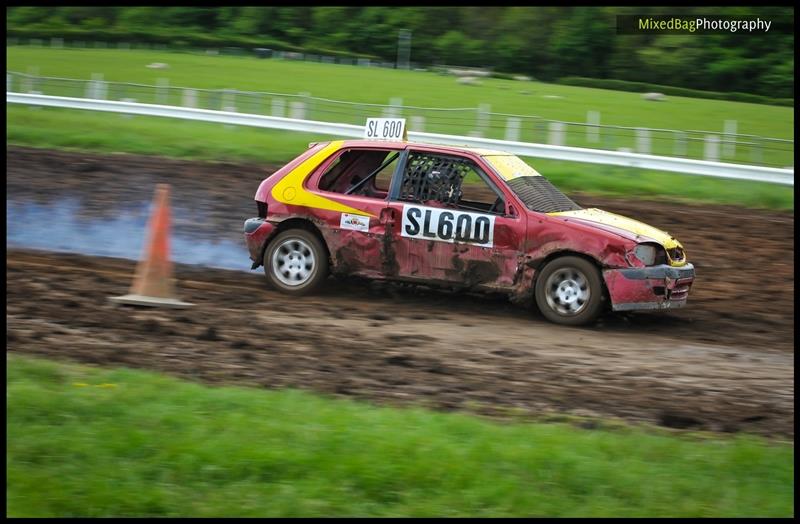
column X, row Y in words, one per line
column 102, row 132
column 84, row 441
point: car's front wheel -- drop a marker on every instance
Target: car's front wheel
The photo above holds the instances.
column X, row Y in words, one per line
column 296, row 262
column 569, row 291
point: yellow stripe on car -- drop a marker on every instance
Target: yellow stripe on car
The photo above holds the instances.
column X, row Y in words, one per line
column 290, row 190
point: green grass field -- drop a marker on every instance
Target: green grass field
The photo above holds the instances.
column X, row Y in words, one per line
column 92, row 131
column 427, row 89
column 376, row 85
column 114, row 133
column 83, row 441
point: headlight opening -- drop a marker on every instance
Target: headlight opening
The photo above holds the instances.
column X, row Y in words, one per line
column 650, row 254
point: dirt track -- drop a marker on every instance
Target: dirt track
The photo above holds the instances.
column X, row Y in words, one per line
column 725, row 363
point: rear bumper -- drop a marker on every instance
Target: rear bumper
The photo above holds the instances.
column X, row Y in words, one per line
column 656, row 287
column 257, row 231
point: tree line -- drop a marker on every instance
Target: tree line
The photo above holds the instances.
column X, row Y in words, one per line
column 547, row 43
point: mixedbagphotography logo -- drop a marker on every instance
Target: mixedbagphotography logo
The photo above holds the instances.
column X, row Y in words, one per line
column 704, row 24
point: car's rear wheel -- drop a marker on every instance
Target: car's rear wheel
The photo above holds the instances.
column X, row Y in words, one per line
column 296, row 262
column 569, row 291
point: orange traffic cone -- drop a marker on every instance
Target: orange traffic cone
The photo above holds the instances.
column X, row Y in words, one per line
column 153, row 284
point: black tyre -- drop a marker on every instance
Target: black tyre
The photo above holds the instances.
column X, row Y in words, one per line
column 296, row 262
column 569, row 291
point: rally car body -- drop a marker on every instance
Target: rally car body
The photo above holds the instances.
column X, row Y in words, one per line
column 460, row 217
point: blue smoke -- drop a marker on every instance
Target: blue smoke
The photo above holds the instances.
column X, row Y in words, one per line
column 59, row 226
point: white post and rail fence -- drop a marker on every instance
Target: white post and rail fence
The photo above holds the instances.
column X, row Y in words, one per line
column 526, row 149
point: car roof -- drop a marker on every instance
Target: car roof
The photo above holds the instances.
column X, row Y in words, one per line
column 438, row 147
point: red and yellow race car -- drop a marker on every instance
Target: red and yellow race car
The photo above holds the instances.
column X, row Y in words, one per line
column 458, row 217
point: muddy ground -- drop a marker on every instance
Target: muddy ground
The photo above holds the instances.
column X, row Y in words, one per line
column 724, row 363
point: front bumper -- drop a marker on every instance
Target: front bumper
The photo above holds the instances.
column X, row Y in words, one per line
column 655, row 287
column 257, row 231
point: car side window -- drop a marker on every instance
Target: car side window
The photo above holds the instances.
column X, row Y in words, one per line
column 364, row 172
column 448, row 181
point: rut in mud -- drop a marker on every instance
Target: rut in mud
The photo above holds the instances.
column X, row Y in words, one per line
column 744, row 259
column 724, row 363
column 388, row 344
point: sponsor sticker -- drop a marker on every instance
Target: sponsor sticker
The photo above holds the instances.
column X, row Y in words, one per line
column 356, row 222
column 445, row 225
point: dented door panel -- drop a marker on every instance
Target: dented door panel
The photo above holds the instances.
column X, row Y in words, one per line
column 436, row 239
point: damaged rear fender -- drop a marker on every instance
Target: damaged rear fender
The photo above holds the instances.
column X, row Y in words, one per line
column 290, row 223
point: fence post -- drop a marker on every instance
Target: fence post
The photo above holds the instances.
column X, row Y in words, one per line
column 31, row 84
column 228, row 103
column 28, row 82
column 393, row 109
column 96, row 88
column 279, row 107
column 482, row 122
column 680, row 143
column 307, row 106
column 397, row 106
column 162, row 91
column 418, row 124
column 643, row 140
column 189, row 98
column 712, row 148
column 729, row 145
column 557, row 132
column 592, row 127
column 9, row 83
column 297, row 110
column 228, row 99
column 512, row 129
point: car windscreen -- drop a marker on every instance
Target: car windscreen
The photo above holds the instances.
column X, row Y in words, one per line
column 535, row 191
